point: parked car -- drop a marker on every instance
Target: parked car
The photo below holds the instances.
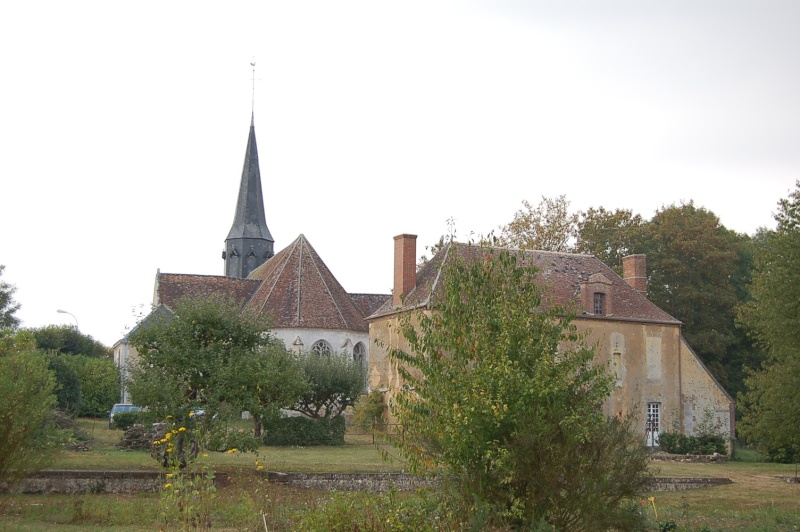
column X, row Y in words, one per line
column 121, row 407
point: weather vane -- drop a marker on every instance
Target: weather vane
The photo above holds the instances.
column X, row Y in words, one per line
column 253, row 96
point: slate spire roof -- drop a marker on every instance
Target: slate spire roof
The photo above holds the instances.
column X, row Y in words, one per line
column 250, row 220
column 249, row 241
column 300, row 291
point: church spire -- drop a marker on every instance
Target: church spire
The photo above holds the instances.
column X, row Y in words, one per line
column 249, row 243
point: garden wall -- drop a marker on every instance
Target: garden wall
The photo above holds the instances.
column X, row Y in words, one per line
column 59, row 481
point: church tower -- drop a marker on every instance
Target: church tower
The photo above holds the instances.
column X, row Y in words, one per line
column 249, row 243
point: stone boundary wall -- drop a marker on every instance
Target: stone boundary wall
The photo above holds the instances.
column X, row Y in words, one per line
column 72, row 481
column 66, row 481
column 706, row 458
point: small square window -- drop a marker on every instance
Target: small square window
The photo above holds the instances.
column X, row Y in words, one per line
column 599, row 303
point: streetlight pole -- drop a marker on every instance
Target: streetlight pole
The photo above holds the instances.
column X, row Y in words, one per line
column 73, row 317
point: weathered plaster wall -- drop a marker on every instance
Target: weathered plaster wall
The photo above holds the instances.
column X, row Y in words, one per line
column 704, row 400
column 341, row 341
column 644, row 359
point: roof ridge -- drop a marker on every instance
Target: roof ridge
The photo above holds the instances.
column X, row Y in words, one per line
column 275, row 278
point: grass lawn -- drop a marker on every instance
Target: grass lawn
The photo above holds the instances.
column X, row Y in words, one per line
column 759, row 499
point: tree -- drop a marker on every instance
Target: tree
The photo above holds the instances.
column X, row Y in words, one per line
column 264, row 381
column 609, row 235
column 692, row 261
column 29, row 441
column 548, row 226
column 68, row 340
column 771, row 406
column 334, row 383
column 68, row 386
column 199, row 357
column 99, row 383
column 8, row 307
column 502, row 394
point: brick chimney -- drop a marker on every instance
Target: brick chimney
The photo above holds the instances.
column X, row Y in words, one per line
column 634, row 272
column 405, row 267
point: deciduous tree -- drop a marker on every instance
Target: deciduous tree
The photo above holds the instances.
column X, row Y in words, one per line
column 610, row 235
column 502, row 394
column 334, row 383
column 547, row 226
column 771, row 407
column 691, row 261
column 28, row 441
column 197, row 357
column 8, row 307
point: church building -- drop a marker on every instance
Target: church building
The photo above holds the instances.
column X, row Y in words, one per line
column 308, row 308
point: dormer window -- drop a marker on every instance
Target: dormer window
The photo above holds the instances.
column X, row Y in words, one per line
column 599, row 303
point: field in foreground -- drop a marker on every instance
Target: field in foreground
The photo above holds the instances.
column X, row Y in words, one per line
column 759, row 499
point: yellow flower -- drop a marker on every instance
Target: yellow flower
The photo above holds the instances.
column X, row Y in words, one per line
column 168, row 485
column 182, row 429
column 260, row 467
column 231, row 451
column 191, row 414
column 170, row 475
column 169, row 416
column 205, row 455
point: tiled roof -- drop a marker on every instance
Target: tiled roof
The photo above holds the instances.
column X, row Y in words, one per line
column 172, row 286
column 369, row 303
column 298, row 290
column 561, row 273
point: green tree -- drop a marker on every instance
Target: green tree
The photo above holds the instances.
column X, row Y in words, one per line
column 610, row 235
column 29, row 441
column 334, row 383
column 501, row 393
column 264, row 381
column 692, row 261
column 99, row 382
column 771, row 406
column 199, row 357
column 68, row 386
column 8, row 307
column 68, row 340
column 548, row 226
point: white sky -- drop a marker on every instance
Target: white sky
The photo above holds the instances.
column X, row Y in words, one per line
column 123, row 128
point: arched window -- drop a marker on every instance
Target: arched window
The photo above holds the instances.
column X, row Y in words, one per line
column 321, row 348
column 359, row 353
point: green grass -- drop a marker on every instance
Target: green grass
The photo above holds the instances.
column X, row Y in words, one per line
column 357, row 455
column 759, row 498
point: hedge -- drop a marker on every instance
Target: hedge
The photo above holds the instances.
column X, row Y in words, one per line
column 304, row 431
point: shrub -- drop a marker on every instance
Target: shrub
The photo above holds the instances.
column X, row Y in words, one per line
column 304, row 431
column 675, row 443
column 370, row 411
column 125, row 420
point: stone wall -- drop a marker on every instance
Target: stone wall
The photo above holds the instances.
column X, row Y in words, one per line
column 58, row 481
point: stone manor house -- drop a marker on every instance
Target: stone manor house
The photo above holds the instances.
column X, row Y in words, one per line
column 657, row 374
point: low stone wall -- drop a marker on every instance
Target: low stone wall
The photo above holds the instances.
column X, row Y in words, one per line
column 69, row 481
column 686, row 483
column 705, row 458
column 60, row 481
column 378, row 482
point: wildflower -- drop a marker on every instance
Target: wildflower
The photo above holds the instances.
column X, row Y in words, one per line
column 644, row 502
column 191, row 414
column 168, row 485
column 260, row 467
column 167, row 436
column 231, row 451
column 170, row 475
column 205, row 455
column 653, row 500
column 169, row 416
column 182, row 429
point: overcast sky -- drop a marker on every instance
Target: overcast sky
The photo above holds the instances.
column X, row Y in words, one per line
column 123, row 128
